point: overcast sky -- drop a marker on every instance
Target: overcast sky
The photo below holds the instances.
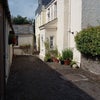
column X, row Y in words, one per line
column 25, row 8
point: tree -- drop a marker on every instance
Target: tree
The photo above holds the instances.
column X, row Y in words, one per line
column 21, row 20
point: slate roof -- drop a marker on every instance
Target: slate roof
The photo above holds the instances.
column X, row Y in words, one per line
column 43, row 3
column 23, row 29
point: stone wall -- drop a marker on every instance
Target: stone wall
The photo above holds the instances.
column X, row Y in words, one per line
column 18, row 51
column 90, row 65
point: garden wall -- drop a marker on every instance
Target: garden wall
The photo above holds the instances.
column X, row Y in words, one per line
column 90, row 65
column 18, row 51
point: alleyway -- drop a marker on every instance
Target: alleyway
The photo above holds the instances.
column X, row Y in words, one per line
column 32, row 79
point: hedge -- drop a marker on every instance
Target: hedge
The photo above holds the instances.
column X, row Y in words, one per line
column 88, row 41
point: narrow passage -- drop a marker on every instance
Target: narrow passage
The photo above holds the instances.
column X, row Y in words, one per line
column 32, row 79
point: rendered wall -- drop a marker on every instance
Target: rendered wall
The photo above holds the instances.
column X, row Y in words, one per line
column 90, row 13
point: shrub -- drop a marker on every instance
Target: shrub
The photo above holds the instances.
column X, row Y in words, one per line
column 47, row 45
column 67, row 54
column 88, row 41
column 47, row 57
column 25, row 46
column 54, row 53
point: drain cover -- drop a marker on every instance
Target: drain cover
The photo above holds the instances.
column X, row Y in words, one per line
column 74, row 77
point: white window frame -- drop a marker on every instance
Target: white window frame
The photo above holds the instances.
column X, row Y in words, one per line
column 51, row 42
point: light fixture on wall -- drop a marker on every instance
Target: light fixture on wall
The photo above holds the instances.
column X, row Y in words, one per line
column 72, row 32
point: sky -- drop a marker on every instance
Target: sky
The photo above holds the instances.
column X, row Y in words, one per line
column 25, row 8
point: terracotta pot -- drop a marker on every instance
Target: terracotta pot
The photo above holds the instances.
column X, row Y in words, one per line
column 55, row 60
column 67, row 62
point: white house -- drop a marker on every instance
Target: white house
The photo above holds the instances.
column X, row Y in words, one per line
column 24, row 36
column 63, row 19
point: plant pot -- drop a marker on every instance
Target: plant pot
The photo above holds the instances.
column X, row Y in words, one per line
column 55, row 60
column 67, row 62
column 49, row 60
column 61, row 62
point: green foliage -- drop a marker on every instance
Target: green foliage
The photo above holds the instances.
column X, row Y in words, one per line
column 67, row 54
column 21, row 20
column 73, row 62
column 47, row 45
column 25, row 46
column 54, row 53
column 88, row 41
column 47, row 57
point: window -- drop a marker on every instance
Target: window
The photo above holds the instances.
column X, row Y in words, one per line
column 48, row 14
column 51, row 42
column 51, row 12
column 55, row 9
column 42, row 40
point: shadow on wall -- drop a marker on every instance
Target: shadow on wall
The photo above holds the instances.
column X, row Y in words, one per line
column 32, row 79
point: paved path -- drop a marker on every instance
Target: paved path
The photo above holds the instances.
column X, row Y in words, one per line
column 32, row 79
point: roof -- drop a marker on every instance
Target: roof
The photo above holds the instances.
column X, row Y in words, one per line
column 7, row 11
column 43, row 3
column 23, row 29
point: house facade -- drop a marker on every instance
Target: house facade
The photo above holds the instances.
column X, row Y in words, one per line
column 6, row 49
column 24, row 36
column 62, row 20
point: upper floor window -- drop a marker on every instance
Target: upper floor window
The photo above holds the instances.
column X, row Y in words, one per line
column 48, row 14
column 55, row 9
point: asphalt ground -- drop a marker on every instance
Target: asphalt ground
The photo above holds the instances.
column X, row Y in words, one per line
column 32, row 79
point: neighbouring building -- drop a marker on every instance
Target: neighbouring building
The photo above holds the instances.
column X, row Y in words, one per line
column 60, row 20
column 6, row 49
column 24, row 37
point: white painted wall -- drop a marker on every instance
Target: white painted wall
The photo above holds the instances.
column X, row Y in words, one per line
column 60, row 25
column 25, row 39
column 42, row 40
column 39, row 20
column 8, row 50
column 75, row 26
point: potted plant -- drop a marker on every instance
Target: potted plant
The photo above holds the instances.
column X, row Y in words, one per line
column 61, row 60
column 73, row 64
column 54, row 54
column 67, row 55
column 47, row 57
